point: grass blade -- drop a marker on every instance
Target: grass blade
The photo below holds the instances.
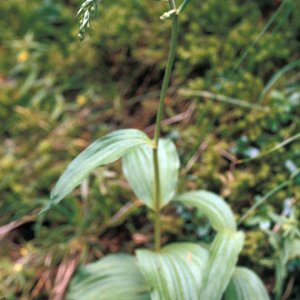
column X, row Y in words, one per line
column 224, row 99
column 275, row 148
column 278, row 76
column 268, row 195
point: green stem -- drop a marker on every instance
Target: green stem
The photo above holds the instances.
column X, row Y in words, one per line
column 167, row 77
column 157, row 227
column 165, row 85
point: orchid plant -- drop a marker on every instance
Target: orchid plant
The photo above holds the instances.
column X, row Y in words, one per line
column 177, row 271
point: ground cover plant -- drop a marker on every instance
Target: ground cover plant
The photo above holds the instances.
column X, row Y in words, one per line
column 58, row 95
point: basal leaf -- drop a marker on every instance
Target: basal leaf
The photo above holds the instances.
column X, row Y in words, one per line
column 212, row 206
column 105, row 150
column 139, row 171
column 174, row 273
column 246, row 285
column 115, row 277
column 223, row 257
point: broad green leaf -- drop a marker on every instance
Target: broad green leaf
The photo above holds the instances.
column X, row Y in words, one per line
column 139, row 171
column 105, row 150
column 246, row 285
column 221, row 264
column 212, row 206
column 174, row 273
column 115, row 277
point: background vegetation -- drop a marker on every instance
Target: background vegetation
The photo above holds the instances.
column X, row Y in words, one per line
column 235, row 94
